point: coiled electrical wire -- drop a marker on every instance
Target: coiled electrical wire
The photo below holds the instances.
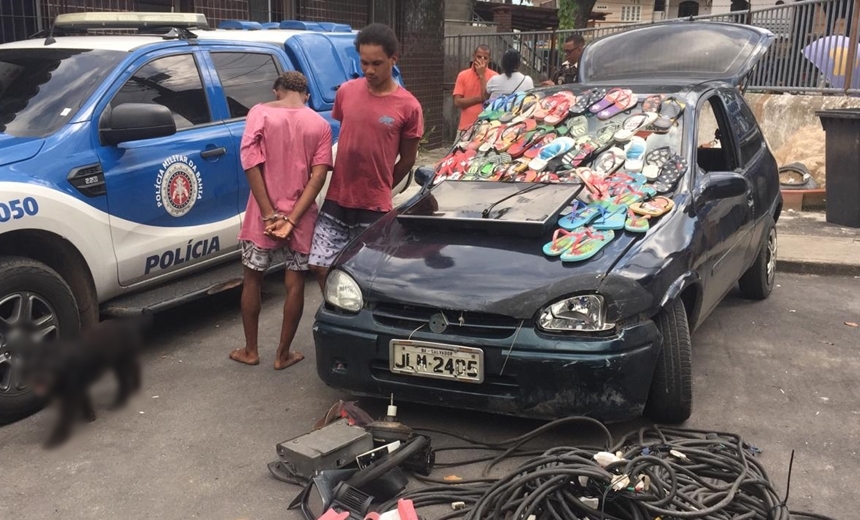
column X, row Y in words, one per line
column 671, row 473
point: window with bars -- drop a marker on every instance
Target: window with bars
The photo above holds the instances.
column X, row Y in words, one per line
column 631, row 13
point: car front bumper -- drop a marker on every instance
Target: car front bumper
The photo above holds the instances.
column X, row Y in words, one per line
column 545, row 376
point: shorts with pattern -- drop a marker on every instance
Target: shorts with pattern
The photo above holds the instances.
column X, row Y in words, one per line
column 336, row 227
column 260, row 259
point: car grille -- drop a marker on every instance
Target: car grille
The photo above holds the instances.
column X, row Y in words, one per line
column 473, row 324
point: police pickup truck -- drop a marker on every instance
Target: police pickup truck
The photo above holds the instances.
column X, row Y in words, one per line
column 120, row 182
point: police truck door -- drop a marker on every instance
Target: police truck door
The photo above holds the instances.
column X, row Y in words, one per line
column 172, row 200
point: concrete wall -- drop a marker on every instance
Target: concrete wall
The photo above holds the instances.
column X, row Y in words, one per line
column 781, row 115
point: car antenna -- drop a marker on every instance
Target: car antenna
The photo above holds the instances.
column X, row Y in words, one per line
column 50, row 39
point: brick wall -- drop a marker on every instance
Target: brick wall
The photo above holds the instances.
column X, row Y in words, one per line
column 421, row 29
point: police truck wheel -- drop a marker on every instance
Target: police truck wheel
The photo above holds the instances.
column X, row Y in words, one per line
column 36, row 302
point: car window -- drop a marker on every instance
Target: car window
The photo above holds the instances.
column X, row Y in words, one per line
column 171, row 81
column 744, row 125
column 246, row 78
column 714, row 147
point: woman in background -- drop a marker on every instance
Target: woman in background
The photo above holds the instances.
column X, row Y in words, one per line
column 510, row 81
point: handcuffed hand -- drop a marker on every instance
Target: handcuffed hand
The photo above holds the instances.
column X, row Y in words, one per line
column 280, row 229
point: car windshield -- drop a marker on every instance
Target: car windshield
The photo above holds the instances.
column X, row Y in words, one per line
column 41, row 89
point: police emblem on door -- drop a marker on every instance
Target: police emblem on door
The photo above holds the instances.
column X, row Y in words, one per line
column 178, row 185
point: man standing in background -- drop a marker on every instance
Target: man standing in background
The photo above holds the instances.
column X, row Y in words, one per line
column 471, row 87
column 569, row 70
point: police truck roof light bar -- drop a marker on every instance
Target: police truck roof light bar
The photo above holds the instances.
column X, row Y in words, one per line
column 129, row 20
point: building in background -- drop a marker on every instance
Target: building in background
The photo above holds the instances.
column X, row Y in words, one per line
column 418, row 23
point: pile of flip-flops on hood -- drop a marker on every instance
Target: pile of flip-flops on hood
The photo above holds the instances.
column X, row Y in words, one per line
column 596, row 138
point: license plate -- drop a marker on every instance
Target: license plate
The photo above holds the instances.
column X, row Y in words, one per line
column 436, row 360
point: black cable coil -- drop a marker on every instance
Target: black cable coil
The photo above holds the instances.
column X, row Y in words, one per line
column 666, row 473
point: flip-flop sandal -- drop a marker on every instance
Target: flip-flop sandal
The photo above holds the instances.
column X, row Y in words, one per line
column 654, row 160
column 670, row 110
column 547, row 177
column 509, row 136
column 585, row 147
column 554, row 149
column 582, row 215
column 623, row 101
column 634, row 154
column 606, row 134
column 656, row 207
column 480, row 135
column 633, row 124
column 636, row 223
column 589, row 246
column 559, row 112
column 526, row 140
column 490, row 141
column 612, row 216
column 533, row 151
column 547, row 106
column 586, row 99
column 609, row 161
column 606, row 101
column 561, row 241
column 598, row 189
column 674, row 169
column 652, row 103
column 578, row 126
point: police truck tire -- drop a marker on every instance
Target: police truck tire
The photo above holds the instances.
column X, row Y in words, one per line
column 23, row 279
column 670, row 399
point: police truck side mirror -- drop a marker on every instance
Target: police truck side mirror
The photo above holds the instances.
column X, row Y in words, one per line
column 135, row 121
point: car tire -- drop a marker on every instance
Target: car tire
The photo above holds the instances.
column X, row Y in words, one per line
column 22, row 279
column 670, row 399
column 757, row 283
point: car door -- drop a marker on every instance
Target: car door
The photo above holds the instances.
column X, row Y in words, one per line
column 244, row 77
column 172, row 200
column 724, row 200
column 758, row 164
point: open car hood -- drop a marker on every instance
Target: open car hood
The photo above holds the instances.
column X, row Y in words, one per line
column 679, row 50
column 469, row 270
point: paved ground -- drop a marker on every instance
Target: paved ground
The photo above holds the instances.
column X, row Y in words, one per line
column 782, row 373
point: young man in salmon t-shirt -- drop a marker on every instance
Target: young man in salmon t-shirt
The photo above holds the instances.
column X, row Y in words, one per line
column 379, row 120
column 286, row 154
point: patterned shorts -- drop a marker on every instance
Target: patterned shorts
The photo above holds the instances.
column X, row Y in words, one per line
column 336, row 227
column 259, row 259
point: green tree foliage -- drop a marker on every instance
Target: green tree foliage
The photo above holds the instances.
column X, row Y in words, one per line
column 573, row 14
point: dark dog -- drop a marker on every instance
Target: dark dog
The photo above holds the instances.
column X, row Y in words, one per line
column 64, row 370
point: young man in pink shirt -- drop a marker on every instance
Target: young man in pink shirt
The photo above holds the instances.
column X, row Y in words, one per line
column 379, row 120
column 286, row 154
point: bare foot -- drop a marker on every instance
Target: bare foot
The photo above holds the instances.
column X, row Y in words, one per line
column 292, row 359
column 241, row 355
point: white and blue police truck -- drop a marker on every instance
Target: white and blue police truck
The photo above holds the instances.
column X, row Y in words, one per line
column 121, row 187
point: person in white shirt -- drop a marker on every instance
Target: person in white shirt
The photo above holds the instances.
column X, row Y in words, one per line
column 511, row 81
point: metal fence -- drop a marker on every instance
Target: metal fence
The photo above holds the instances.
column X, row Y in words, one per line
column 800, row 59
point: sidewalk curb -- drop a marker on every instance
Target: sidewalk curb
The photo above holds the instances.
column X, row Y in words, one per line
column 818, row 268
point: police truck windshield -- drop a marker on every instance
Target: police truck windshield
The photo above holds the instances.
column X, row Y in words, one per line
column 42, row 89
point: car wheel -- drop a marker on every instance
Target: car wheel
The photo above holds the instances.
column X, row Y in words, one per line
column 34, row 301
column 670, row 399
column 757, row 282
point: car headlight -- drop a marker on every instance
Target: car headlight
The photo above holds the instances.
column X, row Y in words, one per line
column 583, row 313
column 343, row 292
